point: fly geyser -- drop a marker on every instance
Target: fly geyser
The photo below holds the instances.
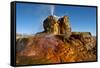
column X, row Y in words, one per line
column 56, row 44
column 54, row 26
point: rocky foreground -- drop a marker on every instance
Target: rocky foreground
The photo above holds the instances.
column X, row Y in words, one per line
column 50, row 48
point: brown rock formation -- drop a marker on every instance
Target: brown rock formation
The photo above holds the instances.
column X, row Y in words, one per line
column 64, row 24
column 56, row 44
column 64, row 28
column 50, row 25
column 59, row 27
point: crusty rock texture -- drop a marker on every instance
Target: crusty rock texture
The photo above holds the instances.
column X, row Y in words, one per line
column 56, row 44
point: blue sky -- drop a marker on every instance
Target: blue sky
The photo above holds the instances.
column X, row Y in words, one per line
column 29, row 17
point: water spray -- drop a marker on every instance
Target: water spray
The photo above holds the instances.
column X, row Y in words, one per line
column 52, row 8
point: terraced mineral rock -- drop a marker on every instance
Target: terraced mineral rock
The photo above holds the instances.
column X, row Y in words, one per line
column 86, row 38
column 45, row 49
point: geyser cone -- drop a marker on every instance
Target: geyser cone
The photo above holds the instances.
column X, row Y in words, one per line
column 50, row 25
column 64, row 26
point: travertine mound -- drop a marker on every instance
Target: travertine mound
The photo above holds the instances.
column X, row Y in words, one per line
column 64, row 25
column 60, row 26
column 56, row 44
column 49, row 48
column 50, row 25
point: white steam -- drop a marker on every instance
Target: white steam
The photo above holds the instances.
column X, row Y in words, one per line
column 52, row 8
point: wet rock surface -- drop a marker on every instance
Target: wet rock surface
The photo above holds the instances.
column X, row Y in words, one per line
column 45, row 49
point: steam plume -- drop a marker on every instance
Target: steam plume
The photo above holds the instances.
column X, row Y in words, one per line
column 52, row 8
